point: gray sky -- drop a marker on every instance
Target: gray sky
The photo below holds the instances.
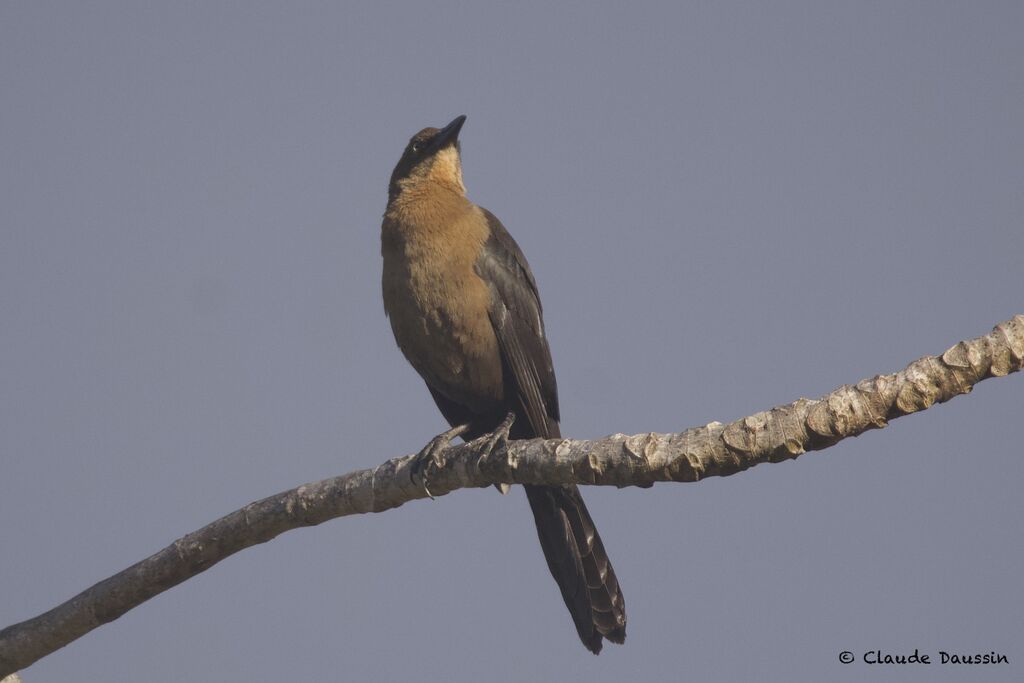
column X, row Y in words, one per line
column 727, row 206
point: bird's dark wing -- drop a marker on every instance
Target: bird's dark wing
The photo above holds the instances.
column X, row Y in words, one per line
column 516, row 317
column 571, row 544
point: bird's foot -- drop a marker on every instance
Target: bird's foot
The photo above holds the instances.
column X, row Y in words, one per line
column 499, row 438
column 432, row 455
column 500, row 434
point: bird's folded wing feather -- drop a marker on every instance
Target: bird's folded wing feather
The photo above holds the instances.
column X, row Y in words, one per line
column 516, row 317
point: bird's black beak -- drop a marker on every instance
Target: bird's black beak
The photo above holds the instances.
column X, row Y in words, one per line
column 448, row 135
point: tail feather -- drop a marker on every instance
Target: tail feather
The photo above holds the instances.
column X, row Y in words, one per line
column 579, row 564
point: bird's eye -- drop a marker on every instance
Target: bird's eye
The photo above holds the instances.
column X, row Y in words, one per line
column 416, row 147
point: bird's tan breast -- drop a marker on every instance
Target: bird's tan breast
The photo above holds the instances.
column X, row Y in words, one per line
column 437, row 304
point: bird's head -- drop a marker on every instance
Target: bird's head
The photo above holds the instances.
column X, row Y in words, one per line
column 431, row 159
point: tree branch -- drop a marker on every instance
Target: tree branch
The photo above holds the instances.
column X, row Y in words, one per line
column 715, row 449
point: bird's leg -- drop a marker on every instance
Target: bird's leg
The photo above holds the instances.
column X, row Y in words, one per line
column 433, row 455
column 500, row 436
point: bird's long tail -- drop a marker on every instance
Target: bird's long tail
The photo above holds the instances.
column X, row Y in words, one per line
column 577, row 560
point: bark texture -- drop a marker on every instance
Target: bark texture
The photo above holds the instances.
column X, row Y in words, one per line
column 716, row 449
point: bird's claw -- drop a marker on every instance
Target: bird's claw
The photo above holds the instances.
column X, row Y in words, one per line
column 432, row 455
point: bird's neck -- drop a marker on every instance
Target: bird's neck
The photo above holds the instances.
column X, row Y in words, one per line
column 427, row 207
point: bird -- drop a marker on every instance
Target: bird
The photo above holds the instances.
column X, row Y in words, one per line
column 465, row 311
